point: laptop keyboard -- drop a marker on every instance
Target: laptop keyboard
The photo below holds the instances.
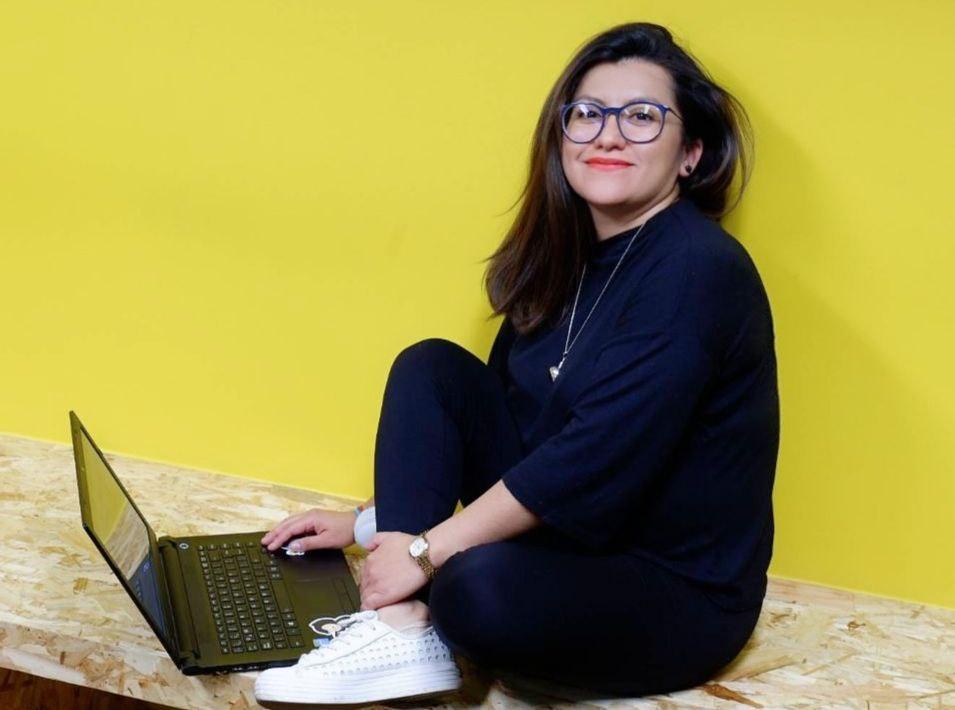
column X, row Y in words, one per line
column 250, row 604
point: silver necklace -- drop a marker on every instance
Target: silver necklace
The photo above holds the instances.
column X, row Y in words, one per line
column 568, row 343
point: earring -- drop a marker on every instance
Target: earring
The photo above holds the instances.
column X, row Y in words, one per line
column 689, row 169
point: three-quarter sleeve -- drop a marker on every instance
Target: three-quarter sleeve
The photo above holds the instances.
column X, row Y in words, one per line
column 619, row 434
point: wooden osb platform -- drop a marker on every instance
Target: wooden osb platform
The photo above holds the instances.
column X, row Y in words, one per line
column 64, row 617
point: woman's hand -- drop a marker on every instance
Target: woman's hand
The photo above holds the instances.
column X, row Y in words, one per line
column 390, row 574
column 322, row 528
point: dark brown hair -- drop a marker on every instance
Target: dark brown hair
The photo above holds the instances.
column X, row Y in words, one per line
column 532, row 274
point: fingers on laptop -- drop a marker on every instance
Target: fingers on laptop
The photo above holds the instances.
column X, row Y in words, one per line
column 291, row 526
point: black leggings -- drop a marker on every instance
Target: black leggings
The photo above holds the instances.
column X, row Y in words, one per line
column 536, row 604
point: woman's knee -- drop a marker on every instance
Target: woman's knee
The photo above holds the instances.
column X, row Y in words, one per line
column 426, row 357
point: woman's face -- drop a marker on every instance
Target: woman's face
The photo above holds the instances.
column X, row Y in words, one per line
column 649, row 171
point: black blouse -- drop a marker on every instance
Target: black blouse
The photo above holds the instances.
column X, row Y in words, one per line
column 669, row 452
column 531, row 357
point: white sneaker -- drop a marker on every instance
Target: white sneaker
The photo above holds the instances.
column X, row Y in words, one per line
column 364, row 660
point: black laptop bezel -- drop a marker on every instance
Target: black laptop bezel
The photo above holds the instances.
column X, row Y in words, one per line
column 170, row 643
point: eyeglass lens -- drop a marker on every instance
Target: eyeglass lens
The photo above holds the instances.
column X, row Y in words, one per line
column 639, row 123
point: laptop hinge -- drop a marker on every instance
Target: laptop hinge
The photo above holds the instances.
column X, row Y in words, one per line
column 182, row 615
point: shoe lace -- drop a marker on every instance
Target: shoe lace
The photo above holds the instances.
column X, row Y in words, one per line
column 345, row 631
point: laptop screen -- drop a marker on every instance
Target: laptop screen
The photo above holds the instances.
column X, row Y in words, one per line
column 120, row 530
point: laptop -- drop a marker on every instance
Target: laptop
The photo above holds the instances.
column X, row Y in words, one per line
column 218, row 603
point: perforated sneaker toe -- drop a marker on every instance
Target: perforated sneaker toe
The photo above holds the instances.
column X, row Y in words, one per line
column 365, row 660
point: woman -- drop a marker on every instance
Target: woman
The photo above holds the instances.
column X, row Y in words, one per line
column 615, row 457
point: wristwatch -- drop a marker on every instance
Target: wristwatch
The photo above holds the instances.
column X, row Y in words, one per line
column 418, row 549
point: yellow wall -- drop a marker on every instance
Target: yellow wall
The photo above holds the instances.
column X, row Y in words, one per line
column 220, row 221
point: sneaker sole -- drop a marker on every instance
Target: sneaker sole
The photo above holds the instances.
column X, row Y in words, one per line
column 404, row 683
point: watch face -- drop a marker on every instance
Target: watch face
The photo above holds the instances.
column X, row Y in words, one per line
column 418, row 545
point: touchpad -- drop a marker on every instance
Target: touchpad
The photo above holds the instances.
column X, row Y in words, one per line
column 319, row 596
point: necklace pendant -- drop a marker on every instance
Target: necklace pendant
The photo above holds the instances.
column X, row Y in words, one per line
column 555, row 370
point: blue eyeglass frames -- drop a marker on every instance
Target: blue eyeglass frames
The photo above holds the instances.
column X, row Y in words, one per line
column 638, row 121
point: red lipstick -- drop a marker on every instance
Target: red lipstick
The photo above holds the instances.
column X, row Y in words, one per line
column 608, row 164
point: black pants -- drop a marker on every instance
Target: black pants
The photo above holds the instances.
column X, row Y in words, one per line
column 536, row 604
